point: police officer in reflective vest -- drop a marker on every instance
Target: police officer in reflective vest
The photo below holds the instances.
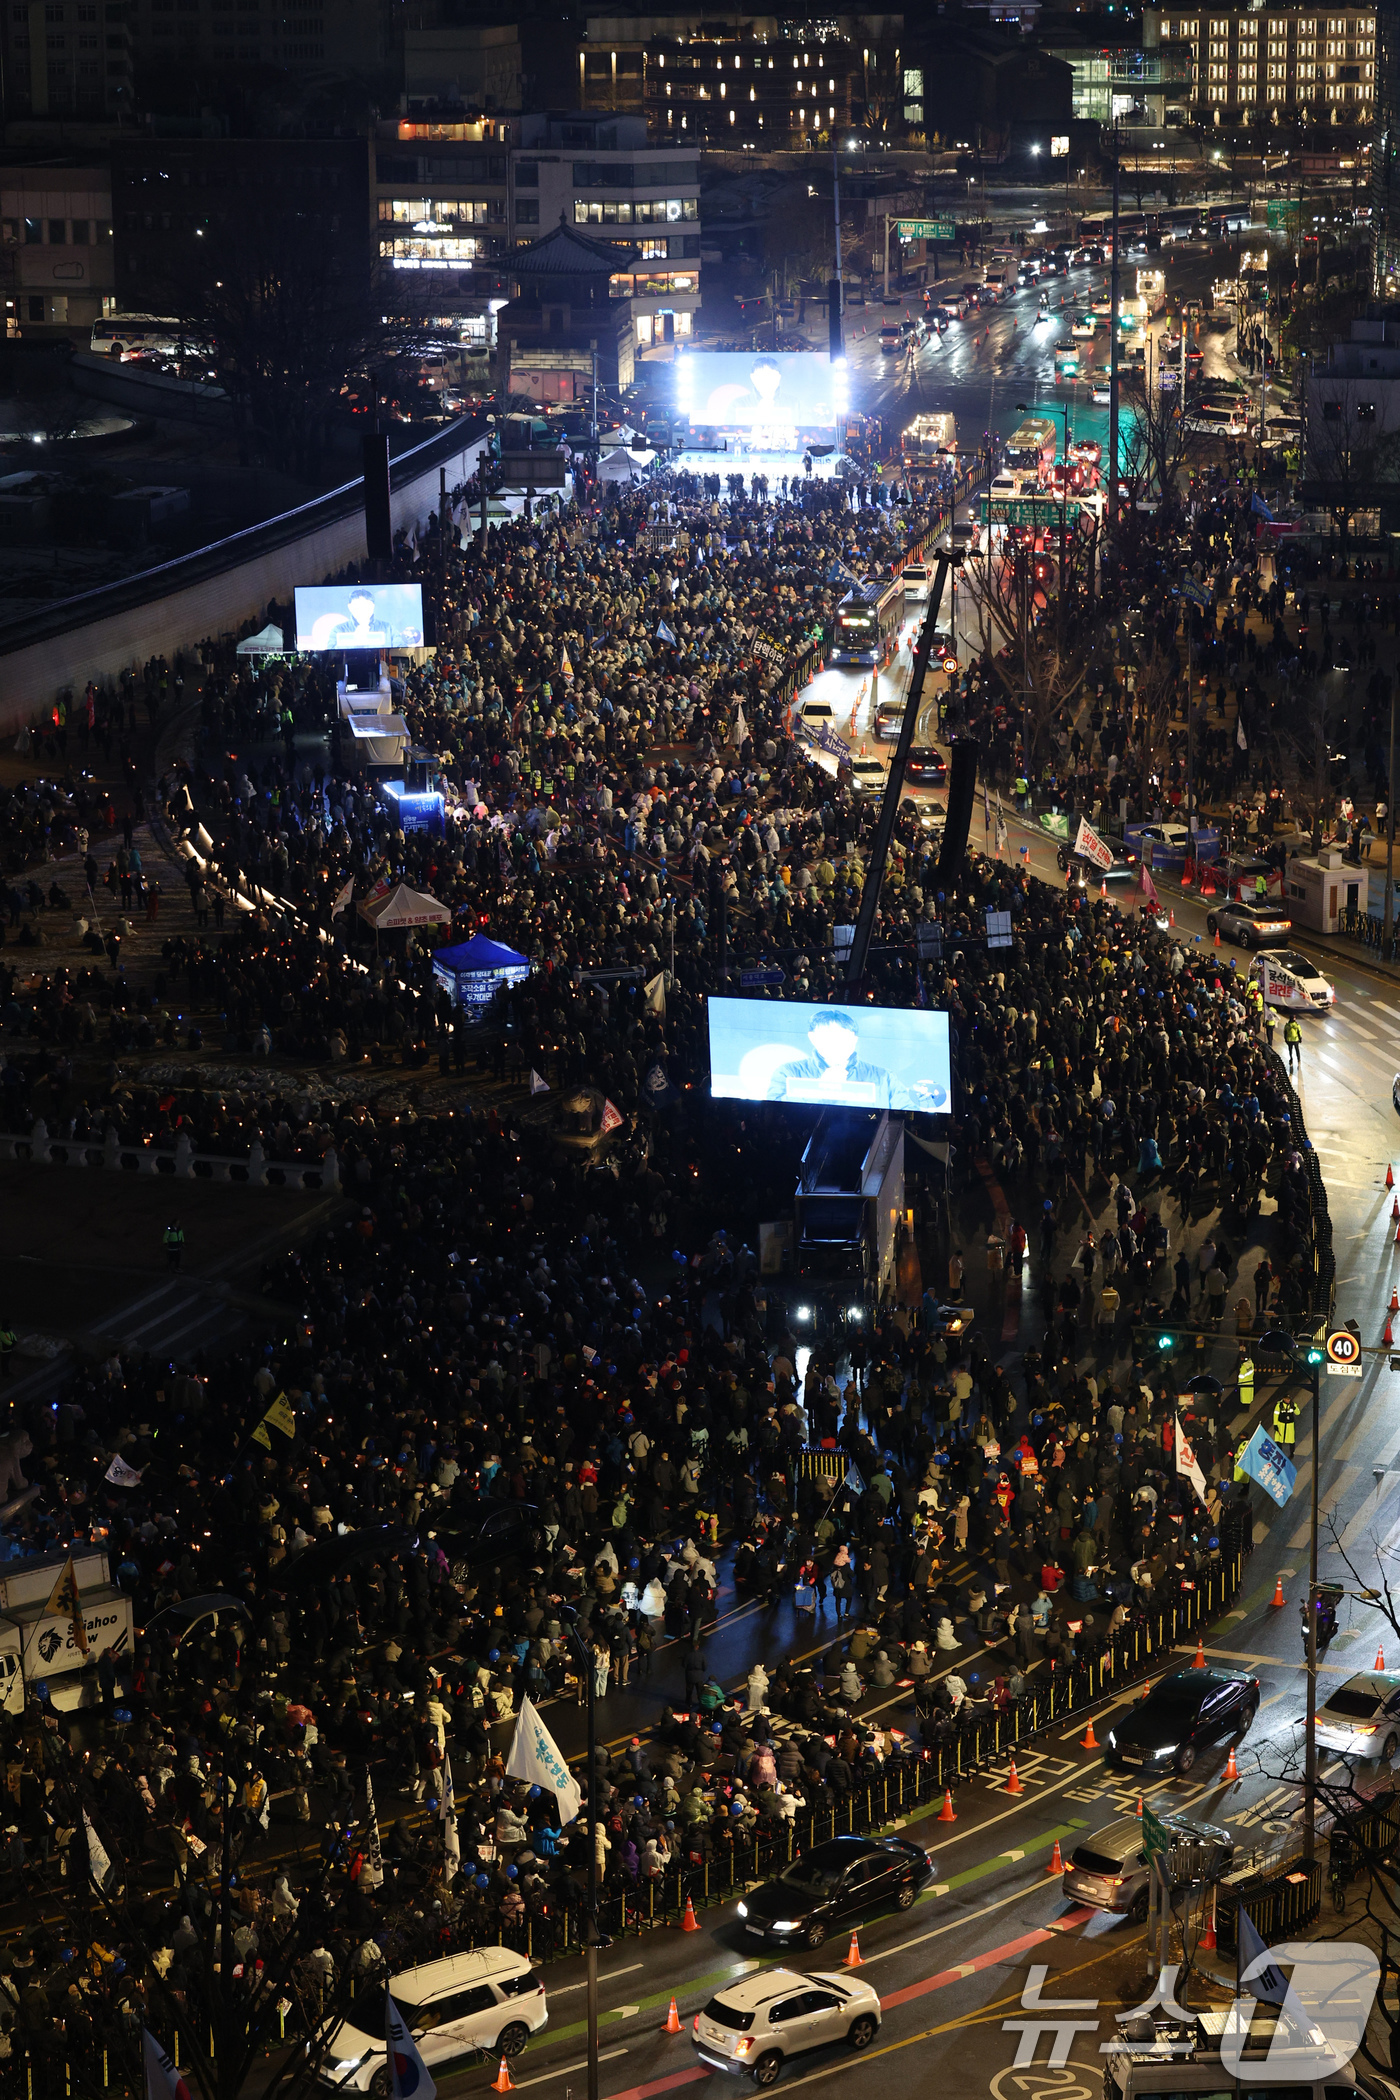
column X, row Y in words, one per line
column 1293, row 1037
column 1245, row 1377
column 174, row 1243
column 1285, row 1423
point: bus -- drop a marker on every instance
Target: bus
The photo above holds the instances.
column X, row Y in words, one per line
column 1032, row 444
column 119, row 335
column 867, row 621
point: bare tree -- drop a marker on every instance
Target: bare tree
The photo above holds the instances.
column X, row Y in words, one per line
column 1023, row 643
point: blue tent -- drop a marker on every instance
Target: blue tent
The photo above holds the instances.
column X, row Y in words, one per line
column 473, row 971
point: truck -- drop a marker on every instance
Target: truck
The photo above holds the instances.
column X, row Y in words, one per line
column 38, row 1645
column 927, row 441
column 849, row 1199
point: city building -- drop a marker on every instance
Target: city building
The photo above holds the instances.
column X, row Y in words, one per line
column 442, row 221
column 1353, row 420
column 66, row 58
column 566, row 326
column 1385, row 155
column 1110, row 82
column 172, row 196
column 1273, row 66
column 727, row 79
column 600, row 175
column 56, row 256
column 462, row 68
column 981, row 86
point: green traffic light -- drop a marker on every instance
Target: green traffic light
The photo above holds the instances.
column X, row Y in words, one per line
column 1315, row 1356
column 1164, row 1341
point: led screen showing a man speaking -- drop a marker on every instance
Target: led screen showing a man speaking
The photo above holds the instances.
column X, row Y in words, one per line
column 740, row 390
column 360, row 616
column 838, row 1056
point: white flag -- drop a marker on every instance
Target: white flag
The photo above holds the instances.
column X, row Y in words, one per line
column 99, row 1864
column 343, row 899
column 537, row 1085
column 447, row 1809
column 655, row 990
column 740, row 729
column 534, row 1756
column 1240, row 737
column 1269, row 1985
column 566, row 669
column 122, row 1475
column 1088, row 843
column 163, row 2081
column 1186, row 1460
column 409, row 2078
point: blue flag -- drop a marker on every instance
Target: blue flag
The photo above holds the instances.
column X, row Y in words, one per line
column 1265, row 1463
column 853, row 1479
column 1260, row 508
column 664, row 634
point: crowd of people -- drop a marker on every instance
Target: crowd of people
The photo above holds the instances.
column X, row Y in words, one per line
column 561, row 1380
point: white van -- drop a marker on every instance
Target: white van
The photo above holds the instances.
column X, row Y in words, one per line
column 1133, row 2074
column 489, row 2001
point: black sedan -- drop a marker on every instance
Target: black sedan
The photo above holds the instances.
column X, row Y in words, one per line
column 1122, row 868
column 845, row 1878
column 1181, row 1716
column 925, row 766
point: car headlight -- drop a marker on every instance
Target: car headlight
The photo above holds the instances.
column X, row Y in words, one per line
column 344, row 2066
column 743, row 1910
column 1164, row 1750
column 785, row 1924
column 1112, row 1740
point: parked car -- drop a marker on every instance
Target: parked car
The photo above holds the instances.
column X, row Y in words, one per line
column 845, row 1877
column 1250, row 925
column 1182, row 1715
column 1122, row 868
column 488, row 2000
column 926, row 767
column 753, row 2025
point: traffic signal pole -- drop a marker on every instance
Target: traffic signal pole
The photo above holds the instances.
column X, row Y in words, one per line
column 1310, row 1723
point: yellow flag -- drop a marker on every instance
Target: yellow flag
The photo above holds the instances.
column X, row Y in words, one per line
column 281, row 1417
column 260, row 1436
column 65, row 1602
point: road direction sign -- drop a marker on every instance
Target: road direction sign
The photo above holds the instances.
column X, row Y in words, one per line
column 1343, row 1354
column 924, row 229
column 749, row 978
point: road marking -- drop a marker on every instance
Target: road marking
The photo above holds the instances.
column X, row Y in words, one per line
column 567, row 2070
column 1008, row 1951
column 611, row 1977
column 661, row 2085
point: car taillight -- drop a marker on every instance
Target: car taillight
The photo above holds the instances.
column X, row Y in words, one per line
column 742, row 2048
column 695, row 2024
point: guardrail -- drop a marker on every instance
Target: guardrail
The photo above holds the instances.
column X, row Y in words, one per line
column 179, row 1161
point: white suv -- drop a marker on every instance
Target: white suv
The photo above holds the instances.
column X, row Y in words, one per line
column 488, row 2000
column 753, row 2026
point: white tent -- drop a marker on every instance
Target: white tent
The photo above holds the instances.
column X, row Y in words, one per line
column 624, row 466
column 402, row 906
column 269, row 642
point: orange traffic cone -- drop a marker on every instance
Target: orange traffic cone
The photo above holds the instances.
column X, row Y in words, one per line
column 1207, row 1943
column 853, row 1960
column 1089, row 1741
column 945, row 1814
column 1171, row 918
column 1057, row 1865
column 1397, row 1233
column 1138, row 1810
column 1232, row 1770
column 1395, row 1210
column 1146, row 1687
column 673, row 2020
column 1200, row 1662
column 1278, row 1596
column 1389, row 1175
column 688, row 1922
column 1394, row 1305
column 1386, row 1337
column 1217, row 936
column 503, row 2082
column 1380, row 1656
column 1013, row 1784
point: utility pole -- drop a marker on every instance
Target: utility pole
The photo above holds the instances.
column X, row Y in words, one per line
column 887, row 253
column 1390, row 834
column 1310, row 1752
column 1113, row 353
column 840, row 280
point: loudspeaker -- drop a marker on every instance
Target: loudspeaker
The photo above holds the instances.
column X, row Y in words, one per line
column 833, row 318
column 962, row 789
column 379, row 529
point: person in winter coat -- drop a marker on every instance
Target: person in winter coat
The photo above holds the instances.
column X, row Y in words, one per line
column 881, row 1671
column 758, row 1688
column 946, row 1638
column 851, row 1686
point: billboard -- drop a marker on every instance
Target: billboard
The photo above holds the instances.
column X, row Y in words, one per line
column 360, row 616
column 838, row 1056
column 761, row 390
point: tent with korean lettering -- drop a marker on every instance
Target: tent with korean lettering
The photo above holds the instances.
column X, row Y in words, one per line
column 472, row 972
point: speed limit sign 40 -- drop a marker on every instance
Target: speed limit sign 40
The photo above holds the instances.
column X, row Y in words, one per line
column 1343, row 1354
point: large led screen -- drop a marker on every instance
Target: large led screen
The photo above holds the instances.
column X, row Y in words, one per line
column 360, row 616
column 763, row 390
column 839, row 1056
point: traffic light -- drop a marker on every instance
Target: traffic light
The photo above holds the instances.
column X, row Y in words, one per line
column 1166, row 1343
